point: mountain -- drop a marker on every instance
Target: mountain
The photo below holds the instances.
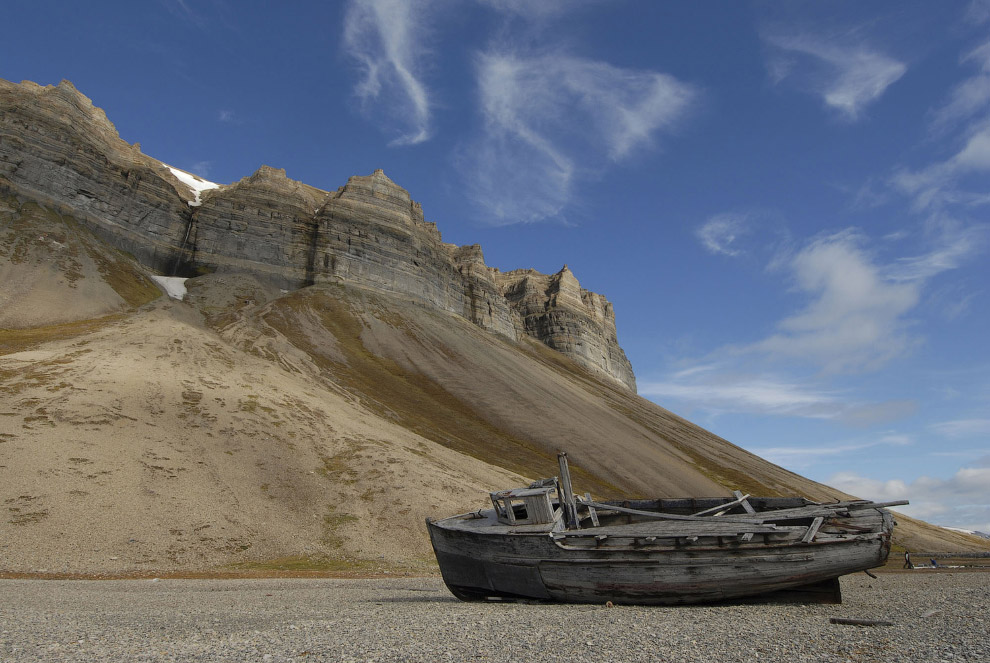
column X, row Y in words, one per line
column 335, row 373
column 982, row 535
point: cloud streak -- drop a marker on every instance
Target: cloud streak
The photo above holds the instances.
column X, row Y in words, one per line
column 804, row 457
column 719, row 234
column 534, row 11
column 706, row 387
column 385, row 38
column 962, row 428
column 959, row 501
column 940, row 184
column 552, row 119
column 848, row 78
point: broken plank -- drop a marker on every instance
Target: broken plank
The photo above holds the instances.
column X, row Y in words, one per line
column 665, row 516
column 812, row 530
column 591, row 510
column 744, row 501
column 721, row 508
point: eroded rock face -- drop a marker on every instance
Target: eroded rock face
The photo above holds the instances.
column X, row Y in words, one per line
column 556, row 310
column 56, row 147
column 59, row 149
column 263, row 224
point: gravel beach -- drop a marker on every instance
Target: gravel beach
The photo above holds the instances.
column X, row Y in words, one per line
column 937, row 616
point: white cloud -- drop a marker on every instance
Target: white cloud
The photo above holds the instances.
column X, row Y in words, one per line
column 721, row 231
column 537, row 10
column 799, row 458
column 709, row 388
column 975, row 154
column 978, row 11
column 953, row 246
column 849, row 77
column 855, row 319
column 938, row 185
column 201, row 168
column 968, row 97
column 387, row 38
column 960, row 501
column 551, row 119
column 963, row 428
column 762, row 395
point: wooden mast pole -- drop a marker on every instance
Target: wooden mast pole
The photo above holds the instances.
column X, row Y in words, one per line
column 567, row 493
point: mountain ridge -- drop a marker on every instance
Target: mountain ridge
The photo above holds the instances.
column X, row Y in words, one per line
column 367, row 232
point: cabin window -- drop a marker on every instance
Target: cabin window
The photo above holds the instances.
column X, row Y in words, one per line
column 525, row 506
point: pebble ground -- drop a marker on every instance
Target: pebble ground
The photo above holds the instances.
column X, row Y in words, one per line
column 937, row 616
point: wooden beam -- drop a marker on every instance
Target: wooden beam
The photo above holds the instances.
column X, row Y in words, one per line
column 722, row 508
column 591, row 510
column 812, row 530
column 667, row 516
column 744, row 501
column 567, row 493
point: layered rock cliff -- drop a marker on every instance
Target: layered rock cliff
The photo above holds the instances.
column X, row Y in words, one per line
column 59, row 149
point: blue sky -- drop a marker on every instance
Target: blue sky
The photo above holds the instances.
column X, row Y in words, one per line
column 787, row 203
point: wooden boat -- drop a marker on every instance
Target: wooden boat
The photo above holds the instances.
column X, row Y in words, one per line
column 545, row 543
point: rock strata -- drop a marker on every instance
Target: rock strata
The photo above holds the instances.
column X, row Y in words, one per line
column 558, row 311
column 58, row 149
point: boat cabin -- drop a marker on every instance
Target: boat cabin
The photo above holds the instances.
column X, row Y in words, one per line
column 526, row 506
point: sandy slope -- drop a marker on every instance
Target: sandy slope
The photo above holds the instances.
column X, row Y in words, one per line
column 152, row 444
column 51, row 268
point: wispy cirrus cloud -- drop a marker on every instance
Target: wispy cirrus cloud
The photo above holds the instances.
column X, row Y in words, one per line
column 717, row 390
column 763, row 394
column 952, row 246
column 719, row 233
column 551, row 119
column 939, row 186
column 537, row 10
column 961, row 501
column 962, row 428
column 802, row 457
column 201, row 168
column 856, row 314
column 847, row 76
column 855, row 318
column 387, row 39
column 978, row 11
column 970, row 96
column 962, row 122
column 182, row 10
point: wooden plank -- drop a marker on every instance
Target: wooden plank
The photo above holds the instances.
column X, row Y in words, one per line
column 861, row 504
column 812, row 530
column 567, row 493
column 810, row 511
column 744, row 501
column 667, row 516
column 591, row 510
column 721, row 508
column 672, row 529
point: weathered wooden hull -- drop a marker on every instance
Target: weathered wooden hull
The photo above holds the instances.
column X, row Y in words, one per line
column 629, row 567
